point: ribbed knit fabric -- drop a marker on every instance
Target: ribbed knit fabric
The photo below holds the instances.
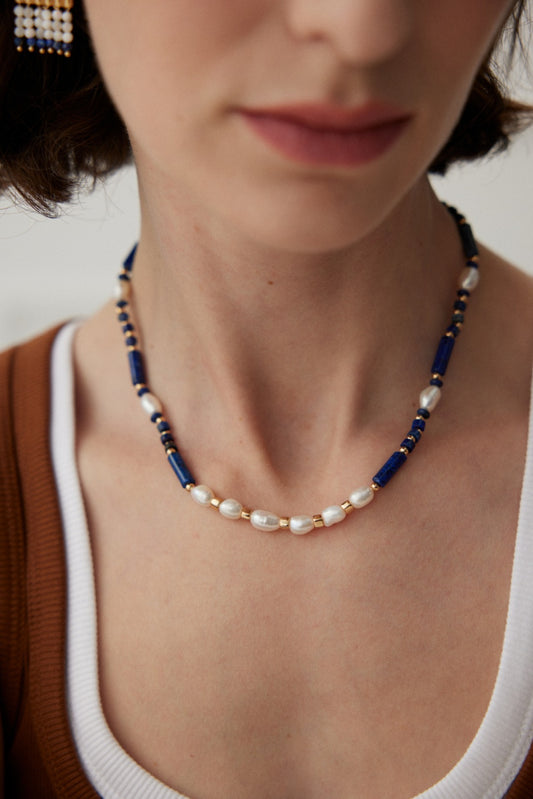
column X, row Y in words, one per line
column 41, row 760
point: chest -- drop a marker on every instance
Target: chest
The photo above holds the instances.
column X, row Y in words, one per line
column 240, row 664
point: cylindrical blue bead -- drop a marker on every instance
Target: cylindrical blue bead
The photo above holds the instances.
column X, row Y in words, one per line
column 443, row 355
column 453, row 329
column 467, row 237
column 459, row 305
column 163, row 427
column 390, row 468
column 408, row 444
column 415, row 432
column 419, row 424
column 180, row 469
column 166, row 437
column 136, row 367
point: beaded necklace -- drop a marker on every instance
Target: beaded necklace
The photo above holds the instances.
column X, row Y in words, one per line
column 359, row 497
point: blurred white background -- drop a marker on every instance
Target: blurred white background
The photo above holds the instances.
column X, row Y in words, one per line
column 55, row 269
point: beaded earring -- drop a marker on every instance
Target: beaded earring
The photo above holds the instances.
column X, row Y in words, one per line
column 44, row 26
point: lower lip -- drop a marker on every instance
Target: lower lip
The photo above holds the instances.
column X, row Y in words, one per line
column 301, row 143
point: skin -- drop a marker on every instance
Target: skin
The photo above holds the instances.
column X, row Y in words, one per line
column 287, row 313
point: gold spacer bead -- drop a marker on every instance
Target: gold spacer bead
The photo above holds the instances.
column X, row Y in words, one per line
column 375, row 487
column 246, row 513
column 318, row 521
column 67, row 54
column 421, row 418
column 42, row 51
column 31, row 49
column 131, row 348
column 284, row 522
column 216, row 502
column 404, row 450
column 412, row 438
column 138, row 386
column 459, row 325
column 475, row 259
column 436, row 376
column 189, row 486
column 50, row 51
column 20, row 49
column 347, row 507
column 170, row 451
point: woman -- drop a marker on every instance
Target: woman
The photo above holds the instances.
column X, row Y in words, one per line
column 293, row 278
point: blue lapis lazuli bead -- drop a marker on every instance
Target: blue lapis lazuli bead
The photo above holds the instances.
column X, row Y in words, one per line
column 166, row 437
column 389, row 469
column 180, row 469
column 454, row 330
column 123, row 317
column 31, row 42
column 142, row 391
column 436, row 381
column 423, row 412
column 128, row 262
column 136, row 367
column 442, row 356
column 121, row 303
column 42, row 43
column 131, row 341
column 416, row 433
column 459, row 305
column 163, row 427
column 418, row 424
column 128, row 328
column 18, row 41
column 408, row 444
column 467, row 238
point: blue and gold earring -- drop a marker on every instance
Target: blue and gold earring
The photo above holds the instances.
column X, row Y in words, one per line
column 44, row 26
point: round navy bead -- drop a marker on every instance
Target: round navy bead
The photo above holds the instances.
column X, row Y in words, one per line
column 123, row 317
column 32, row 42
column 408, row 444
column 41, row 43
column 463, row 293
column 155, row 417
column 453, row 329
column 131, row 341
column 128, row 328
column 458, row 317
column 163, row 427
column 459, row 305
column 436, row 381
column 18, row 41
column 423, row 412
column 121, row 303
column 122, row 276
column 142, row 391
column 419, row 424
column 166, row 437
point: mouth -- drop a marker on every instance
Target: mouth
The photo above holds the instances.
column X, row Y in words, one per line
column 328, row 135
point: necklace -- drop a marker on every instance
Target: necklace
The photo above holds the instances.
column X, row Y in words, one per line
column 359, row 497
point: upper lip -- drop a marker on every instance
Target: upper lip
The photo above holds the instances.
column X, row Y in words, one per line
column 329, row 116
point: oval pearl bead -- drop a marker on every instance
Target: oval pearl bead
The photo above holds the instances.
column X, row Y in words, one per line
column 333, row 515
column 202, row 495
column 151, row 404
column 264, row 520
column 361, row 497
column 122, row 290
column 299, row 525
column 230, row 508
column 469, row 278
column 429, row 398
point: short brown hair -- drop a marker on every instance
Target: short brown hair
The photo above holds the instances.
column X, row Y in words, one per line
column 58, row 125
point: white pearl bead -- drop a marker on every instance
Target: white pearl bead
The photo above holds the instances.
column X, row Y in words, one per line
column 67, row 37
column 361, row 497
column 67, row 27
column 469, row 278
column 57, row 13
column 202, row 495
column 264, row 520
column 67, row 16
column 46, row 13
column 151, row 404
column 29, row 33
column 299, row 525
column 333, row 515
column 57, row 36
column 230, row 508
column 122, row 290
column 19, row 11
column 19, row 32
column 429, row 398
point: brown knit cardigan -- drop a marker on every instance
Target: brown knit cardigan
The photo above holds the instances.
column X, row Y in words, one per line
column 38, row 757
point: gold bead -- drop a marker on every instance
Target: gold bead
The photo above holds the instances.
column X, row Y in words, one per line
column 375, row 487
column 436, row 376
column 404, row 450
column 31, row 49
column 170, row 451
column 449, row 334
column 412, row 438
column 215, row 502
column 246, row 513
column 284, row 522
column 318, row 521
column 189, row 486
column 347, row 507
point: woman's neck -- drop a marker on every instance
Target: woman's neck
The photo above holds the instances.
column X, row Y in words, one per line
column 294, row 355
